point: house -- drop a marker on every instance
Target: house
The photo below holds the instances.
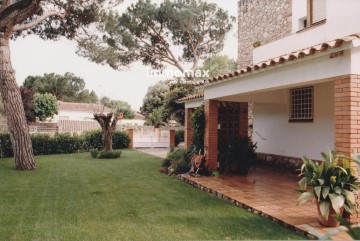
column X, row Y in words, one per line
column 301, row 85
column 79, row 111
column 137, row 121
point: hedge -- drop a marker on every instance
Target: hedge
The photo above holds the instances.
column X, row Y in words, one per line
column 65, row 143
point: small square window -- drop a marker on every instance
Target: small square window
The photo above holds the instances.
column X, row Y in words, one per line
column 301, row 104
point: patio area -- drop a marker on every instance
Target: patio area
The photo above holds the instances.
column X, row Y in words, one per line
column 268, row 192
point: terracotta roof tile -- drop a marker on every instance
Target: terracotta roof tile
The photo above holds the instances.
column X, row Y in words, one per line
column 198, row 95
column 277, row 61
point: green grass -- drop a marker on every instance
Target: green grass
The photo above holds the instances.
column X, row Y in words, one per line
column 74, row 197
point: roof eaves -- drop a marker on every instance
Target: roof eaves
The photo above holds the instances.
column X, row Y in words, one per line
column 296, row 55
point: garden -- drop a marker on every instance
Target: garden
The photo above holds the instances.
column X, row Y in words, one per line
column 76, row 197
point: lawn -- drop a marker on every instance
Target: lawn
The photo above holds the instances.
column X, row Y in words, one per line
column 74, row 197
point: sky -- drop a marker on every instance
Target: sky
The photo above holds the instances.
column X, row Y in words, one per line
column 33, row 56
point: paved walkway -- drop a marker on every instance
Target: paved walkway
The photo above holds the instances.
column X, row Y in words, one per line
column 271, row 193
column 159, row 152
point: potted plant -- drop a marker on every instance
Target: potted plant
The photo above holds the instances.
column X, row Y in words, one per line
column 238, row 155
column 332, row 184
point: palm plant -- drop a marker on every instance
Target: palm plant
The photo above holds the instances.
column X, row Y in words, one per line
column 332, row 181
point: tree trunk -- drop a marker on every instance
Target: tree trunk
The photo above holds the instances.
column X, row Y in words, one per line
column 107, row 139
column 14, row 111
column 108, row 126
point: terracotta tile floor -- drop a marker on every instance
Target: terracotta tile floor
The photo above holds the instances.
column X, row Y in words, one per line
column 270, row 192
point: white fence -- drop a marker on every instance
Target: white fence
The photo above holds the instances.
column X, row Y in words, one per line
column 149, row 136
column 43, row 129
column 78, row 127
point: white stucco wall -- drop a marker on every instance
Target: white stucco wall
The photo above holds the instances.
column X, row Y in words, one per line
column 343, row 19
column 299, row 11
column 275, row 135
column 73, row 115
column 194, row 103
column 308, row 71
column 126, row 122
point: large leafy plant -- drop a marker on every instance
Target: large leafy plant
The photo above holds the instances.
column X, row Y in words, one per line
column 332, row 181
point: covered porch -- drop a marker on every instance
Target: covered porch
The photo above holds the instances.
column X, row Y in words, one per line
column 268, row 192
column 303, row 103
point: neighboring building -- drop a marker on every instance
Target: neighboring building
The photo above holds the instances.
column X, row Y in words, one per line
column 303, row 81
column 79, row 111
column 137, row 121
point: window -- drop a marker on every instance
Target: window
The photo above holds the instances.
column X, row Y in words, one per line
column 316, row 11
column 301, row 104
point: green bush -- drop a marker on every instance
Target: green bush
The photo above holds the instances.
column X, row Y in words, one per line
column 175, row 155
column 5, row 145
column 64, row 143
column 238, row 155
column 178, row 167
column 43, row 144
column 179, row 136
column 92, row 140
column 94, row 153
column 177, row 162
column 109, row 154
column 120, row 140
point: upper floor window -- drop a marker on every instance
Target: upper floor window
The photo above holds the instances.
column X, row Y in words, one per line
column 316, row 11
column 301, row 104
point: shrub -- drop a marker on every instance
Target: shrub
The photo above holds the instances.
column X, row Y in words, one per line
column 178, row 167
column 177, row 162
column 92, row 140
column 179, row 136
column 109, row 154
column 176, row 155
column 120, row 140
column 43, row 144
column 58, row 144
column 45, row 105
column 5, row 145
column 238, row 155
column 94, row 153
column 64, row 143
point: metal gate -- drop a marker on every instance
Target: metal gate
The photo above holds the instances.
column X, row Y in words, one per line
column 148, row 136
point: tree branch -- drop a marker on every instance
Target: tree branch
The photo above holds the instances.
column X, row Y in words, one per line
column 168, row 50
column 38, row 20
column 5, row 4
column 17, row 12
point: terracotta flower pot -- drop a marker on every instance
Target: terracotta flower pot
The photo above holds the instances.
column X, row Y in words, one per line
column 331, row 222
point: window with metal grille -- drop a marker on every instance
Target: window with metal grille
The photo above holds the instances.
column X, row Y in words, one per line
column 317, row 11
column 301, row 104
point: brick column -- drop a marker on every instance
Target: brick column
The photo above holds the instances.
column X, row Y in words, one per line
column 130, row 132
column 244, row 120
column 172, row 138
column 347, row 120
column 188, row 130
column 211, row 133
